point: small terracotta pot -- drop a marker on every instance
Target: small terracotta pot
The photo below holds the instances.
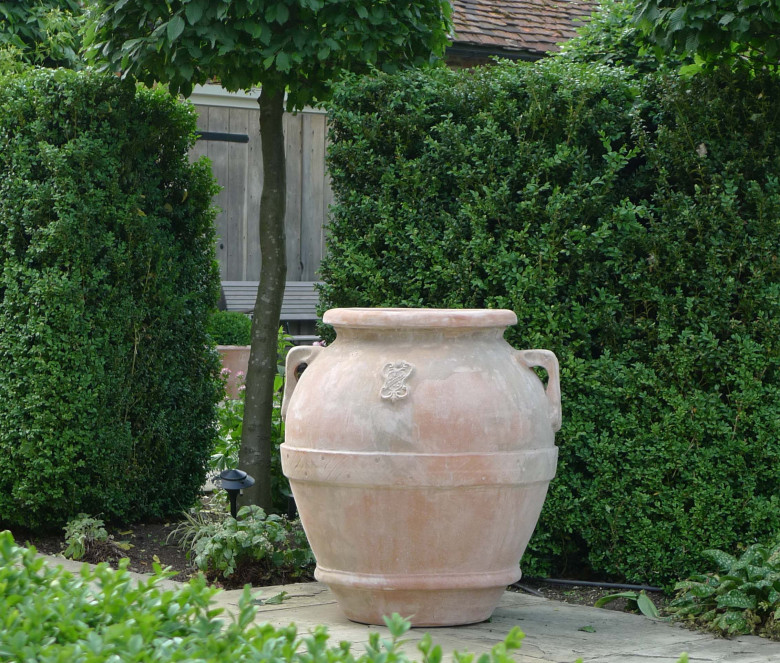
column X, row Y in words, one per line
column 419, row 447
column 236, row 359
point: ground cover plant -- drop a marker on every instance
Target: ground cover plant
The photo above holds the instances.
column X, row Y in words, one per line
column 101, row 615
column 254, row 547
column 742, row 597
column 107, row 275
column 632, row 224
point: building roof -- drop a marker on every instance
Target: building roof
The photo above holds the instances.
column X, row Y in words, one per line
column 526, row 29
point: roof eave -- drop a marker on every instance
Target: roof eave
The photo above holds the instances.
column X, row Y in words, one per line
column 477, row 51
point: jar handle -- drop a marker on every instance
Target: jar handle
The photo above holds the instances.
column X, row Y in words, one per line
column 549, row 362
column 298, row 358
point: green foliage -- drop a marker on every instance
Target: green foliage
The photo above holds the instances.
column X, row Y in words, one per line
column 107, row 274
column 742, row 598
column 269, row 547
column 635, row 232
column 732, row 32
column 611, row 36
column 40, row 32
column 230, row 417
column 102, row 615
column 230, row 328
column 80, row 533
column 635, row 601
column 298, row 45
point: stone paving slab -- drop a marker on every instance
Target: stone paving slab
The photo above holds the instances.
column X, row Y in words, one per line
column 553, row 629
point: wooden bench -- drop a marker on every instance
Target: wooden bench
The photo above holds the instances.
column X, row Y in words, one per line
column 299, row 304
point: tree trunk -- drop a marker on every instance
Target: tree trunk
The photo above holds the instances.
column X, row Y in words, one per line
column 255, row 453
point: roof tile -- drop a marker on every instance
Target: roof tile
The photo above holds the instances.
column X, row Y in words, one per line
column 535, row 26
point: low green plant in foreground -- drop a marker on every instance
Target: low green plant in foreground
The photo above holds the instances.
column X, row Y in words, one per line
column 49, row 615
column 101, row 615
column 253, row 546
column 743, row 597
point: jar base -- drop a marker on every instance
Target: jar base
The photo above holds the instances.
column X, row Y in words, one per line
column 441, row 607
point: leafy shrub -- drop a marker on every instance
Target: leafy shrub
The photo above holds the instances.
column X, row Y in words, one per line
column 254, row 547
column 612, row 36
column 88, row 540
column 107, row 377
column 230, row 328
column 41, row 32
column 82, row 532
column 102, row 615
column 633, row 224
column 743, row 598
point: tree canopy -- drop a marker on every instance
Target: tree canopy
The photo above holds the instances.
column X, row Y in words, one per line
column 297, row 45
column 715, row 31
column 41, row 32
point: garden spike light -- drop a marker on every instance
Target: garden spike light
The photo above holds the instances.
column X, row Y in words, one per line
column 233, row 481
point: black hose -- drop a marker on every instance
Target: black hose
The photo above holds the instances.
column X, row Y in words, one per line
column 588, row 583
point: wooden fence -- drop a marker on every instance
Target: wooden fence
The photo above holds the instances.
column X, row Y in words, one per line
column 229, row 124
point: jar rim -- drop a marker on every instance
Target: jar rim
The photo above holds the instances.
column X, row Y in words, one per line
column 417, row 318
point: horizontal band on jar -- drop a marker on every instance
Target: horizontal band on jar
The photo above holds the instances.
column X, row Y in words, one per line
column 419, row 581
column 410, row 470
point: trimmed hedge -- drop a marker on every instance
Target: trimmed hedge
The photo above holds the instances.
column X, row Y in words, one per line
column 230, row 328
column 107, row 377
column 634, row 227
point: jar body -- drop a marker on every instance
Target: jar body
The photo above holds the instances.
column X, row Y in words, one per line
column 419, row 451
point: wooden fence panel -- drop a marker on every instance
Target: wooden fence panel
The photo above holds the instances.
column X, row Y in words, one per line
column 237, row 165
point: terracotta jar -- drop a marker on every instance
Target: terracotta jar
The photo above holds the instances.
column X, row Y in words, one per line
column 419, row 447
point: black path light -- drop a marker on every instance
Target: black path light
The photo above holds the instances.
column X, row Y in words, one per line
column 233, row 481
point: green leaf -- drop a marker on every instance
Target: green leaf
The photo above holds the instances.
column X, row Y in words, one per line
column 283, row 61
column 362, row 12
column 646, row 606
column 727, row 18
column 282, row 14
column 175, row 28
column 737, row 599
column 276, row 599
column 397, row 625
column 587, row 629
column 722, row 559
column 194, row 11
column 631, row 596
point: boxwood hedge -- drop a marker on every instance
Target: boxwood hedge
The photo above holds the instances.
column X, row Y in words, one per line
column 633, row 224
column 107, row 378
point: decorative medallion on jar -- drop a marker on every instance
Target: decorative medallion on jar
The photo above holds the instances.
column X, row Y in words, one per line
column 395, row 375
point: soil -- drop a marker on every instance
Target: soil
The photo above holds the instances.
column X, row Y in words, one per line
column 143, row 543
column 152, row 542
column 585, row 594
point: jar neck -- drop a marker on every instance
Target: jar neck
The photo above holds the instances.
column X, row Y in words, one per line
column 422, row 335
